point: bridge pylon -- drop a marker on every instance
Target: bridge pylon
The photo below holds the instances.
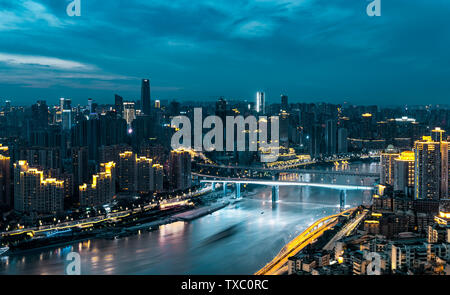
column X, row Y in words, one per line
column 238, row 190
column 275, row 193
column 343, row 200
column 225, row 189
column 213, row 186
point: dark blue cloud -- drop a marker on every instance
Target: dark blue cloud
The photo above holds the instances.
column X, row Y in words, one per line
column 310, row 49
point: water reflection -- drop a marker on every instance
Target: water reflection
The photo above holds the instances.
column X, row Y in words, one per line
column 238, row 239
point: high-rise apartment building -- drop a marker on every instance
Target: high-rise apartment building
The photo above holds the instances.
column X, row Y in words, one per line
column 5, row 180
column 35, row 194
column 102, row 188
column 126, row 171
column 404, row 172
column 118, row 104
column 431, row 167
column 387, row 165
column 180, row 170
column 330, row 137
column 342, row 141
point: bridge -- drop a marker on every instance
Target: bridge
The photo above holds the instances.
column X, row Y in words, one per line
column 275, row 184
column 293, row 170
column 293, row 247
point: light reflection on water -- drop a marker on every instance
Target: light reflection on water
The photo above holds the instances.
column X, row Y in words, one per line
column 238, row 239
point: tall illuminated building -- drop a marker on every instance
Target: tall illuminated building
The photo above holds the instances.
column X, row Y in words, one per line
column 404, row 172
column 180, row 170
column 387, row 165
column 66, row 114
column 126, row 171
column 5, row 180
column 34, row 194
column 431, row 167
column 144, row 173
column 260, row 102
column 118, row 104
column 129, row 112
column 102, row 188
column 145, row 97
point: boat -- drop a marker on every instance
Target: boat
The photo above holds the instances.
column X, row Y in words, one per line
column 3, row 250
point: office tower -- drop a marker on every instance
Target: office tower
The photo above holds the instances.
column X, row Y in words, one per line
column 35, row 194
column 431, row 167
column 284, row 103
column 330, row 137
column 102, row 188
column 66, row 114
column 179, row 170
column 260, row 103
column 387, row 165
column 129, row 112
column 126, row 171
column 157, row 104
column 145, row 97
column 342, row 141
column 5, row 180
column 404, row 173
column 118, row 104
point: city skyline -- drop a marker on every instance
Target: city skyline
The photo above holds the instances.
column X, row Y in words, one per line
column 311, row 50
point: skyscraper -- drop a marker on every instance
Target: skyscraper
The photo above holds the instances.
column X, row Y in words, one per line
column 387, row 165
column 431, row 167
column 35, row 194
column 404, row 172
column 66, row 114
column 330, row 137
column 180, row 170
column 5, row 181
column 284, row 103
column 118, row 104
column 342, row 141
column 260, row 102
column 102, row 188
column 145, row 97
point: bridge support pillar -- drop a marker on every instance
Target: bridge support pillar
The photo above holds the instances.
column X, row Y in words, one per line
column 343, row 200
column 213, row 185
column 225, row 189
column 238, row 190
column 275, row 193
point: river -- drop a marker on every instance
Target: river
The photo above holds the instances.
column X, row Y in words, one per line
column 239, row 239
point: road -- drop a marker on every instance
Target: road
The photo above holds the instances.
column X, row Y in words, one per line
column 278, row 264
column 345, row 231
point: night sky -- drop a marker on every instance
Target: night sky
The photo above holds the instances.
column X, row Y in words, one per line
column 311, row 50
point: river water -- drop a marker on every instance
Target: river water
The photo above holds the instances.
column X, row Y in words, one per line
column 239, row 239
